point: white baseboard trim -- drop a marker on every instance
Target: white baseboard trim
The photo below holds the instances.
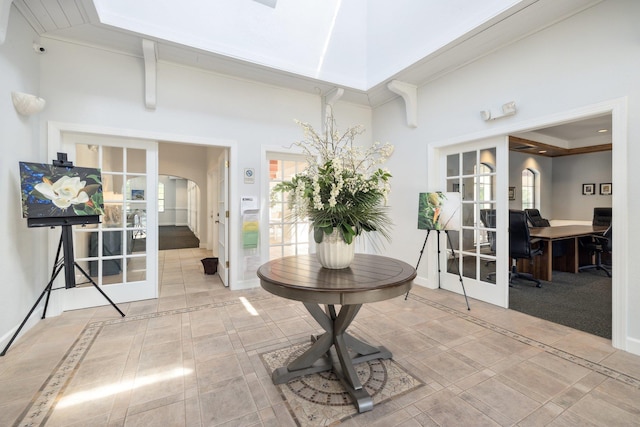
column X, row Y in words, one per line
column 422, row 281
column 246, row 284
column 31, row 322
column 633, row 346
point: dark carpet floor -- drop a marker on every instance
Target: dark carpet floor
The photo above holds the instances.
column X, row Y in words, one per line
column 581, row 301
column 174, row 237
column 170, row 237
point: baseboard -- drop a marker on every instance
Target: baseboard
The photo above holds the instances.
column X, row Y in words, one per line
column 633, row 346
column 31, row 322
column 247, row 284
column 422, row 281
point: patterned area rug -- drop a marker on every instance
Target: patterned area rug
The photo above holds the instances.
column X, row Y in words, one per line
column 320, row 399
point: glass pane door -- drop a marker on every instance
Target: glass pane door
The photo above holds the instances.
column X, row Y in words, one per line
column 120, row 253
column 475, row 252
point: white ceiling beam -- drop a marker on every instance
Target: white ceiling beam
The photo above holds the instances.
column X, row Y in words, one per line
column 328, row 99
column 409, row 93
column 150, row 53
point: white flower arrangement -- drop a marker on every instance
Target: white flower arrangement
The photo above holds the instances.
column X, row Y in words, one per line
column 343, row 185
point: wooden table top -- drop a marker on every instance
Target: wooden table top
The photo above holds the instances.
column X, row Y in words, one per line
column 369, row 278
column 565, row 231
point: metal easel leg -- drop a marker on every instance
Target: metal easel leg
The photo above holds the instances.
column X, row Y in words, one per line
column 419, row 258
column 57, row 267
column 458, row 268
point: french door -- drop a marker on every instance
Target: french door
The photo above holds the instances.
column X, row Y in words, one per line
column 223, row 218
column 121, row 253
column 477, row 251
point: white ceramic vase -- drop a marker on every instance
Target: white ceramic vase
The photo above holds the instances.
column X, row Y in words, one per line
column 333, row 252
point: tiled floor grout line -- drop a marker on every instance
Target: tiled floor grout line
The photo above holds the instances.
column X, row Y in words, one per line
column 593, row 366
column 43, row 404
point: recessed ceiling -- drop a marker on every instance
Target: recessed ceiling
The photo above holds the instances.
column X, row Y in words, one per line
column 578, row 137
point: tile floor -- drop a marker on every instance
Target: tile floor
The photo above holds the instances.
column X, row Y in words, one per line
column 191, row 358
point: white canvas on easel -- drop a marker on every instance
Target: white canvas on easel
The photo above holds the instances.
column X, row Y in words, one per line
column 439, row 211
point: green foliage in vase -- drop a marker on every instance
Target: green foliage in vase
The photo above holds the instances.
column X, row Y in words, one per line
column 343, row 185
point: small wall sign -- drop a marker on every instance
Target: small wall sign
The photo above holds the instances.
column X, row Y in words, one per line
column 249, row 175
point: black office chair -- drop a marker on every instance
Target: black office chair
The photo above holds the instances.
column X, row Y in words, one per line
column 597, row 246
column 488, row 219
column 520, row 246
column 535, row 219
column 602, row 216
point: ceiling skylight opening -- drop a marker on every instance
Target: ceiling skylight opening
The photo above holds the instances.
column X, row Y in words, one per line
column 328, row 39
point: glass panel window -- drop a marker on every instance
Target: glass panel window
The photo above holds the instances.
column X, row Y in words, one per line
column 474, row 244
column 287, row 235
column 160, row 197
column 529, row 182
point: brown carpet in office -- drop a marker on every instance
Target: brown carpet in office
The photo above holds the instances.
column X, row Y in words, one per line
column 581, row 301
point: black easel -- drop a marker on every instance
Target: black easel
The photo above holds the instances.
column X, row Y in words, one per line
column 67, row 261
column 65, row 245
column 454, row 258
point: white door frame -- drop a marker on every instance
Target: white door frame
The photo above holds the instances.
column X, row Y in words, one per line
column 620, row 273
column 494, row 293
column 222, row 217
column 55, row 130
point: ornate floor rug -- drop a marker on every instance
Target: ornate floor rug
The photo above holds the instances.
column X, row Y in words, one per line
column 320, row 399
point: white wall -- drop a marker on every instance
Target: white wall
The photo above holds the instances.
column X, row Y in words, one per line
column 561, row 180
column 544, row 165
column 584, row 60
column 189, row 162
column 109, row 92
column 23, row 260
column 569, row 173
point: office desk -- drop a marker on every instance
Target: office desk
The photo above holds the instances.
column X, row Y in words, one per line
column 370, row 278
column 570, row 257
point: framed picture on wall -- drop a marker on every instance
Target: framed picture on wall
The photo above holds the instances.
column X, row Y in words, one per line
column 512, row 193
column 588, row 189
column 605, row 189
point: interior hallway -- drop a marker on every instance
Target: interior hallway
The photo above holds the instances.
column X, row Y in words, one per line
column 192, row 357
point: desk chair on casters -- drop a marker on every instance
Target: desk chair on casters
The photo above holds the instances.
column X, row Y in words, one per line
column 602, row 216
column 597, row 246
column 520, row 246
column 535, row 219
column 488, row 219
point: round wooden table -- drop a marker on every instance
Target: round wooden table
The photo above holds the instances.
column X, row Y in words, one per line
column 369, row 278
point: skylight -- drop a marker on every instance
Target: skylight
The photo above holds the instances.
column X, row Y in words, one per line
column 351, row 43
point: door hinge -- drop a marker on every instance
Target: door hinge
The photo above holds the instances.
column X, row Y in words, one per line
column 226, row 214
column 226, row 163
column 227, row 264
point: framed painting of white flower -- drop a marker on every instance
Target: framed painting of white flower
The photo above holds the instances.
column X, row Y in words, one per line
column 50, row 191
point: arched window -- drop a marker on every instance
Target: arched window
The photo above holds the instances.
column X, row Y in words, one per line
column 484, row 182
column 160, row 197
column 529, row 183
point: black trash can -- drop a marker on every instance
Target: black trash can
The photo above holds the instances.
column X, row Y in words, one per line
column 210, row 265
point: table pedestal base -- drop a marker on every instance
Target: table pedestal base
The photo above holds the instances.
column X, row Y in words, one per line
column 335, row 350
